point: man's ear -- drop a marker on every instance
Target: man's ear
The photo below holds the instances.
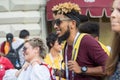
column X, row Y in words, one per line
column 73, row 23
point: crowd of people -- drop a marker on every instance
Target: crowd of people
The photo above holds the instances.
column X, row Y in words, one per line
column 74, row 50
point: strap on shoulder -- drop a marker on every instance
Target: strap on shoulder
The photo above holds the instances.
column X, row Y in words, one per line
column 76, row 46
column 50, row 70
column 20, row 46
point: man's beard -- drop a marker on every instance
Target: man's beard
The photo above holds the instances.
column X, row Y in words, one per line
column 65, row 35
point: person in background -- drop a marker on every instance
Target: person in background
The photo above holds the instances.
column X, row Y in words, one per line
column 54, row 57
column 113, row 64
column 83, row 62
column 5, row 64
column 23, row 36
column 92, row 28
column 5, row 46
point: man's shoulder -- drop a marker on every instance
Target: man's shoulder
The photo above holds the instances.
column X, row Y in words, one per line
column 17, row 43
column 88, row 38
column 89, row 41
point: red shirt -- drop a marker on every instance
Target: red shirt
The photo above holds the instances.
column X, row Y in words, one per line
column 90, row 54
column 5, row 64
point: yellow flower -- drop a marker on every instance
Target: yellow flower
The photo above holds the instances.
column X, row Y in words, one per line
column 66, row 7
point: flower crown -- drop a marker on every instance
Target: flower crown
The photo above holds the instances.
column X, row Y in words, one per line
column 66, row 7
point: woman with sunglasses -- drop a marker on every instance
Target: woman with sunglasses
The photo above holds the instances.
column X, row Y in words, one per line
column 34, row 68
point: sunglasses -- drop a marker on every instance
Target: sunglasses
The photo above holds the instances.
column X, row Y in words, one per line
column 57, row 22
column 24, row 49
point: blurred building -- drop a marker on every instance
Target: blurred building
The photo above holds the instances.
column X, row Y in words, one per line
column 16, row 15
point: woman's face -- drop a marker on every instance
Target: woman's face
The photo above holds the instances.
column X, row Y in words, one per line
column 115, row 16
column 29, row 52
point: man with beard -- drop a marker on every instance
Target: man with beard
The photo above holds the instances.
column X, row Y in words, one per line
column 84, row 59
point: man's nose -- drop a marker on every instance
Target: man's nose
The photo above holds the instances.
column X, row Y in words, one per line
column 113, row 14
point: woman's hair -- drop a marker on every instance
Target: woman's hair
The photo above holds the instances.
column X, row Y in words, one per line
column 114, row 56
column 37, row 42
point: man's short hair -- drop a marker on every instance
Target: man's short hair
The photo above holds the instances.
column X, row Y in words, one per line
column 90, row 28
column 23, row 34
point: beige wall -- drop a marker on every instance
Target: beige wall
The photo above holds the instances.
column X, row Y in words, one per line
column 105, row 33
column 16, row 15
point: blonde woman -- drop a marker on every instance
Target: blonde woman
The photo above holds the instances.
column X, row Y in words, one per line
column 113, row 65
column 34, row 68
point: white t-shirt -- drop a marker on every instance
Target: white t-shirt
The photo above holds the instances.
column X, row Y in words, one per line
column 10, row 74
column 36, row 72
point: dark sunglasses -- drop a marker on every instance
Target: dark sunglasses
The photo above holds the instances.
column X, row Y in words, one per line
column 24, row 49
column 57, row 22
